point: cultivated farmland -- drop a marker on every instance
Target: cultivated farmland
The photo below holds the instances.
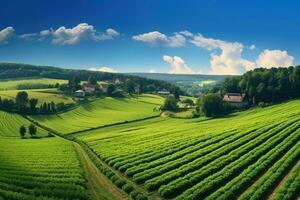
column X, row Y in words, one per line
column 40, row 169
column 43, row 95
column 244, row 155
column 10, row 124
column 16, row 83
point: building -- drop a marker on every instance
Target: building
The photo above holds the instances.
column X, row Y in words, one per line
column 103, row 87
column 88, row 88
column 237, row 100
column 163, row 93
column 79, row 95
column 118, row 81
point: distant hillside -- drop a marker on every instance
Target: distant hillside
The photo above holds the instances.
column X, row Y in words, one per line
column 10, row 71
column 191, row 83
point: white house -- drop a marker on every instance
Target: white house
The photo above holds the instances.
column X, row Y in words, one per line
column 79, row 95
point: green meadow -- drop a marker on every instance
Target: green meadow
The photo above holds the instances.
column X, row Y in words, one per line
column 15, row 83
column 43, row 95
column 101, row 112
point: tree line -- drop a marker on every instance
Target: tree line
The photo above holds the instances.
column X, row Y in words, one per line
column 265, row 85
column 25, row 105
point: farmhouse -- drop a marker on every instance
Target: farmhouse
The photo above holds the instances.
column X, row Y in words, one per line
column 163, row 93
column 79, row 95
column 237, row 100
column 88, row 88
column 103, row 87
column 118, row 81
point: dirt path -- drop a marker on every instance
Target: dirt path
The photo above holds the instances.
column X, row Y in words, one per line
column 282, row 182
column 98, row 184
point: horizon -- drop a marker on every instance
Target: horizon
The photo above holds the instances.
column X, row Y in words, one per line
column 133, row 37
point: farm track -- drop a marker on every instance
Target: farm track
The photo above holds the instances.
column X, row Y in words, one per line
column 283, row 181
column 98, row 184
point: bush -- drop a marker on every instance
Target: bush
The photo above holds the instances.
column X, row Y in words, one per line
column 127, row 188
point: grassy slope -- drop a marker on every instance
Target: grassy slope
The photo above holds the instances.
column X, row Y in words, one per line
column 133, row 142
column 13, row 84
column 44, row 95
column 40, row 169
column 101, row 112
column 10, row 124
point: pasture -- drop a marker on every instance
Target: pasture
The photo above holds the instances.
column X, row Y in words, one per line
column 10, row 124
column 44, row 169
column 244, row 155
column 43, row 95
column 14, row 84
column 101, row 112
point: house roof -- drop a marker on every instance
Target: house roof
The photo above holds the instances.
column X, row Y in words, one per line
column 234, row 97
column 79, row 91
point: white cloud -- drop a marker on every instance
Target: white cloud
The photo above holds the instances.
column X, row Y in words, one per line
column 152, row 71
column 103, row 69
column 252, row 47
column 156, row 38
column 45, row 33
column 28, row 36
column 229, row 60
column 178, row 65
column 81, row 32
column 274, row 58
column 186, row 33
column 6, row 34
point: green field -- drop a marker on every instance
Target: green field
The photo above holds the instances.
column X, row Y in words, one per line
column 243, row 155
column 102, row 112
column 43, row 95
column 14, row 84
column 10, row 124
column 42, row 169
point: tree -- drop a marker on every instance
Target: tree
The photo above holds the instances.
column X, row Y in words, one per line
column 130, row 86
column 170, row 103
column 211, row 105
column 32, row 130
column 92, row 80
column 22, row 131
column 110, row 89
column 22, row 100
column 74, row 83
column 33, row 103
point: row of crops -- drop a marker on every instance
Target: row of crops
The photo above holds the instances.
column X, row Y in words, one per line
column 40, row 169
column 244, row 156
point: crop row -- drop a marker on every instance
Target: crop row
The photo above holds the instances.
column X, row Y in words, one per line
column 290, row 189
column 184, row 182
column 116, row 180
column 220, row 148
column 269, row 180
column 165, row 148
column 180, row 152
column 242, row 172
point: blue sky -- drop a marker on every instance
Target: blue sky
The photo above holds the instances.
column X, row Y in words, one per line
column 216, row 37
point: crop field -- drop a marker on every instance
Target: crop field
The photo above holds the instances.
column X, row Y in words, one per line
column 43, row 95
column 10, row 124
column 102, row 112
column 14, row 84
column 246, row 155
column 42, row 169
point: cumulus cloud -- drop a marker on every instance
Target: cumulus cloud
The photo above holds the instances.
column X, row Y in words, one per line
column 103, row 69
column 79, row 33
column 178, row 65
column 6, row 34
column 229, row 60
column 45, row 33
column 274, row 58
column 156, row 38
column 28, row 36
column 152, row 71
